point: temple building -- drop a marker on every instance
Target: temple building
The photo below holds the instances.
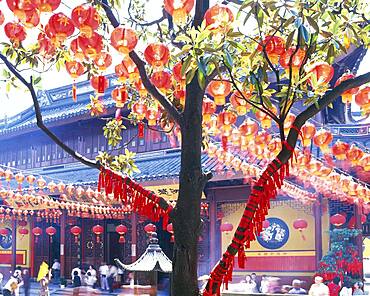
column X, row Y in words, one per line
column 295, row 236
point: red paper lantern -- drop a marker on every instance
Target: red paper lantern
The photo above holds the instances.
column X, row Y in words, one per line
column 297, row 59
column 99, row 83
column 322, row 139
column 157, row 55
column 178, row 9
column 51, row 231
column 274, row 47
column 76, row 231
column 103, row 60
column 139, row 109
column 4, row 231
column 127, row 70
column 363, row 99
column 86, row 18
column 322, row 71
column 149, row 228
column 209, row 108
column 90, row 46
column 354, row 155
column 123, row 40
column 176, row 71
column 75, row 69
column 37, row 231
column 59, row 28
column 300, row 224
column 218, row 17
column 337, row 220
column 121, row 230
column 219, row 90
column 162, row 80
column 32, row 18
column 308, row 131
column 98, row 231
column 248, row 129
column 340, row 149
column 15, row 32
column 120, row 96
column 19, row 7
column 152, row 115
column 240, row 103
column 226, row 227
column 47, row 5
column 23, row 231
column 348, row 94
column 46, row 47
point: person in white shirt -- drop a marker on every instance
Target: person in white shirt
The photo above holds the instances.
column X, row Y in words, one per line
column 346, row 289
column 318, row 288
column 78, row 272
column 90, row 277
column 104, row 272
column 249, row 286
column 55, row 269
column 113, row 273
column 13, row 284
column 264, row 284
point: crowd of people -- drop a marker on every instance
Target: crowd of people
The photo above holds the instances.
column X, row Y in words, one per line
column 272, row 285
column 335, row 288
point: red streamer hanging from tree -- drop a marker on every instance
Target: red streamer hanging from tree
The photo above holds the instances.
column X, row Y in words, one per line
column 140, row 200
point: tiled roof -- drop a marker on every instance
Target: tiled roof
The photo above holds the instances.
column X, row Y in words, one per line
column 158, row 165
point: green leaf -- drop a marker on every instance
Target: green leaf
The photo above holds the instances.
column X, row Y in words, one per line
column 201, row 66
column 313, row 23
column 289, row 40
column 330, row 54
column 201, row 79
column 229, row 60
column 186, row 64
column 190, row 75
column 37, row 80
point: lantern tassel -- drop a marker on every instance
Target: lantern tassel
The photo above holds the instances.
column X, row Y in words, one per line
column 74, row 92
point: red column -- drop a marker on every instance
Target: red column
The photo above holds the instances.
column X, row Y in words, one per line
column 32, row 249
column 14, row 244
column 318, row 230
column 62, row 244
column 133, row 236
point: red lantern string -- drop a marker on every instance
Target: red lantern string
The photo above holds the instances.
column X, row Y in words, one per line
column 140, row 133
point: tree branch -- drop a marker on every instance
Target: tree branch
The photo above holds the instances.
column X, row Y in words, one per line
column 170, row 108
column 200, row 8
column 39, row 120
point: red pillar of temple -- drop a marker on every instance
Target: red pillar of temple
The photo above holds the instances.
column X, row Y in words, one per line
column 63, row 226
column 14, row 243
column 318, row 230
column 133, row 236
column 32, row 249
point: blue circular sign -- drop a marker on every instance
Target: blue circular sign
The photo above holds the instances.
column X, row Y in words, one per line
column 6, row 241
column 275, row 236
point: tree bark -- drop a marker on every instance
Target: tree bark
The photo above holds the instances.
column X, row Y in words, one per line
column 186, row 218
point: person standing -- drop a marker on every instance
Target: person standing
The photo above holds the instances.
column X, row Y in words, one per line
column 334, row 287
column 11, row 286
column 112, row 275
column 74, row 270
column 249, row 286
column 264, row 284
column 296, row 288
column 44, row 277
column 346, row 289
column 318, row 288
column 254, row 278
column 26, row 281
column 104, row 271
column 90, row 278
column 357, row 288
column 55, row 268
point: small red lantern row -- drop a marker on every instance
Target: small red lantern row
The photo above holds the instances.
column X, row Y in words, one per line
column 37, row 231
column 149, row 228
column 51, row 231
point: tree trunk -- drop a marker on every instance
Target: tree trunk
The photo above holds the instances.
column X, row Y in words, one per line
column 186, row 219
